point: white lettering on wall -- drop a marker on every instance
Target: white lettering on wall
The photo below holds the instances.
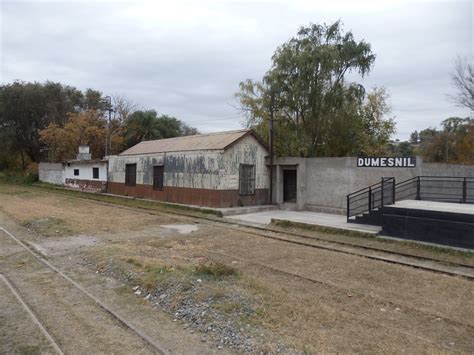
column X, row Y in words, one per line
column 384, row 162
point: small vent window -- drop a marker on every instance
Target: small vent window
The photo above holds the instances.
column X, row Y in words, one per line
column 76, row 172
column 247, row 179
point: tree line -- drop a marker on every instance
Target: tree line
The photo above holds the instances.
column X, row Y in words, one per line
column 48, row 121
column 452, row 143
column 312, row 93
column 319, row 112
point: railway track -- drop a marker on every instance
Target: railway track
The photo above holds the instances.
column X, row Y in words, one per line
column 73, row 289
column 437, row 265
column 339, row 288
column 31, row 314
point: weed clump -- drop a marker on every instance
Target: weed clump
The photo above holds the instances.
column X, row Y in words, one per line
column 216, row 270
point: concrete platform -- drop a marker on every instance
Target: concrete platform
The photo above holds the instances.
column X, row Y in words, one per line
column 233, row 211
column 313, row 218
column 444, row 223
column 436, row 206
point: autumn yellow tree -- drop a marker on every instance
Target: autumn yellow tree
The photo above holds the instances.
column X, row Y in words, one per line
column 465, row 146
column 88, row 127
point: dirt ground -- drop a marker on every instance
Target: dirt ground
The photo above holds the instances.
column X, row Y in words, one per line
column 200, row 287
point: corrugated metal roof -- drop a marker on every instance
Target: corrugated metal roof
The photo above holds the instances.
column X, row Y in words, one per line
column 211, row 141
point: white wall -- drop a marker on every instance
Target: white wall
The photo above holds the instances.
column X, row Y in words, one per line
column 85, row 170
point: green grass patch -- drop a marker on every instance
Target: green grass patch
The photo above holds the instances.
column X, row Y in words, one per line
column 322, row 229
column 215, row 270
column 18, row 178
column 49, row 226
column 155, row 275
column 394, row 245
column 227, row 307
column 30, row 350
column 134, row 262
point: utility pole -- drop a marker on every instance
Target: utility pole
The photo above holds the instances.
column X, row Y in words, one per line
column 270, row 138
column 108, row 144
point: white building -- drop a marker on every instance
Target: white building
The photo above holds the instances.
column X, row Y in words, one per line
column 81, row 173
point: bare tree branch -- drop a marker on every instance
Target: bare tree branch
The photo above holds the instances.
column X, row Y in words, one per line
column 463, row 80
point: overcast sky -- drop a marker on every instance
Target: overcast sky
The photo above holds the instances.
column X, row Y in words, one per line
column 186, row 58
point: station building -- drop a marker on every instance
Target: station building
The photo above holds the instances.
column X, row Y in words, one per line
column 225, row 169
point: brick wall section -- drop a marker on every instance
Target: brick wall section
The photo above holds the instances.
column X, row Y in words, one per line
column 191, row 196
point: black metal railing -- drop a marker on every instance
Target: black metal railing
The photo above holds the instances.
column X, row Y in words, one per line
column 436, row 188
column 429, row 188
column 371, row 197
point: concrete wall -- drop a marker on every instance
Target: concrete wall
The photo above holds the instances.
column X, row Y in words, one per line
column 52, row 173
column 439, row 169
column 323, row 183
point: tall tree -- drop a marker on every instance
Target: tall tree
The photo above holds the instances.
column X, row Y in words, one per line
column 377, row 127
column 463, row 80
column 415, row 137
column 317, row 111
column 25, row 108
column 87, row 127
column 141, row 126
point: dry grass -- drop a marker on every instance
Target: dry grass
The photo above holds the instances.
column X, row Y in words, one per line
column 27, row 205
column 369, row 240
column 355, row 305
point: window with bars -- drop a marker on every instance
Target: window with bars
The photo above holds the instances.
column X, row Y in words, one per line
column 95, row 173
column 130, row 174
column 247, row 179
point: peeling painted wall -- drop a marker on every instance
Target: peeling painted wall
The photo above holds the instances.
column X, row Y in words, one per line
column 216, row 170
column 246, row 151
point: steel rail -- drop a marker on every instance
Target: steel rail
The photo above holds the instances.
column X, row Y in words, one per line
column 158, row 347
column 31, row 314
column 227, row 224
column 339, row 288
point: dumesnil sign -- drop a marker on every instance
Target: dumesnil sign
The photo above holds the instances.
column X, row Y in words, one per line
column 386, row 162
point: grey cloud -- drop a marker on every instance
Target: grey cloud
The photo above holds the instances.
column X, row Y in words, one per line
column 187, row 58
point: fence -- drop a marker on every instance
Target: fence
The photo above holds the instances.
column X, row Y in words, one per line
column 429, row 188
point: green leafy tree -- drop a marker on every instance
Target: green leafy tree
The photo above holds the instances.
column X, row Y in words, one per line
column 146, row 125
column 141, row 126
column 25, row 108
column 317, row 111
column 415, row 137
column 377, row 128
